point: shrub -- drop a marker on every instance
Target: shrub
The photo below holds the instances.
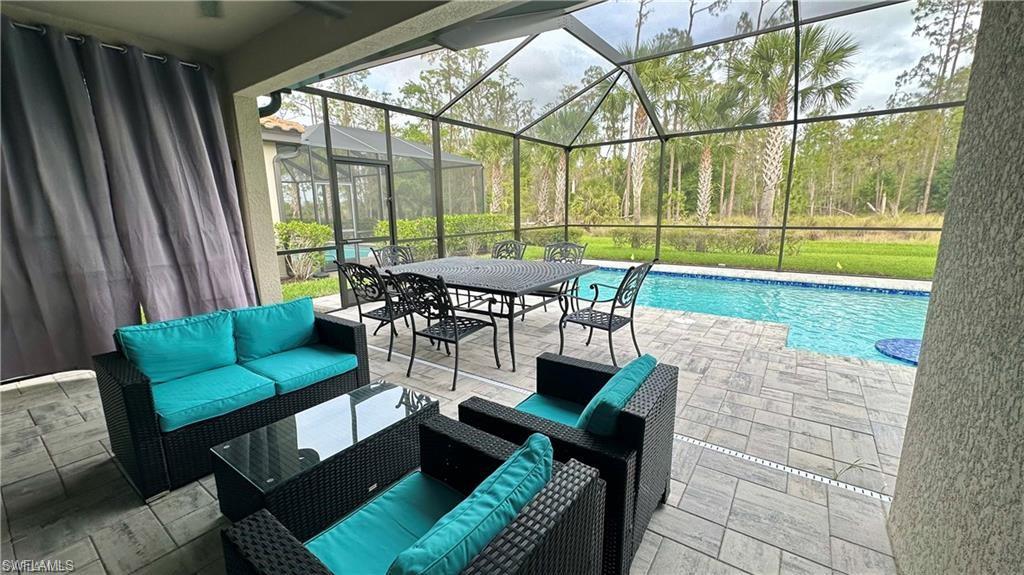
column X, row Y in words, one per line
column 295, row 234
column 550, row 236
column 635, row 238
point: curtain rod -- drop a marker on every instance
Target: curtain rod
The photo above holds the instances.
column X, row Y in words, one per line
column 122, row 49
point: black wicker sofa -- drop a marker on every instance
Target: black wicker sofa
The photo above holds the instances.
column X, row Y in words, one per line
column 635, row 462
column 558, row 530
column 157, row 456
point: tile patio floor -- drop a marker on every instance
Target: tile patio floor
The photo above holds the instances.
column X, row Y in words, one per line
column 739, row 388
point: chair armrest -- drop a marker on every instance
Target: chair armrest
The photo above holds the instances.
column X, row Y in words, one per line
column 648, row 423
column 259, row 544
column 132, row 424
column 615, row 461
column 459, row 455
column 347, row 336
column 568, row 442
column 560, row 530
column 571, row 379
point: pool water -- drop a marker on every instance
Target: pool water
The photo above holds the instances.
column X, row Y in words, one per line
column 832, row 321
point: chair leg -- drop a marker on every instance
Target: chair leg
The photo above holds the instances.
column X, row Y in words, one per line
column 611, row 348
column 447, row 350
column 497, row 361
column 590, row 336
column 455, row 376
column 522, row 302
column 382, row 324
column 561, row 334
column 405, row 318
column 391, row 341
column 412, row 356
column 635, row 344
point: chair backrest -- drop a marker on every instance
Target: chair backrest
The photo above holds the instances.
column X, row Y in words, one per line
column 564, row 252
column 508, row 250
column 387, row 256
column 428, row 296
column 630, row 285
column 365, row 281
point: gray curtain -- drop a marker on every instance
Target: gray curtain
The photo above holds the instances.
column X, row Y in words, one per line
column 171, row 184
column 117, row 192
column 65, row 282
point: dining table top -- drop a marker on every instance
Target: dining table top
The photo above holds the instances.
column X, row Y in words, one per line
column 497, row 276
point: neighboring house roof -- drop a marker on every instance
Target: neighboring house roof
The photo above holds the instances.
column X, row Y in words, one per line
column 275, row 123
column 358, row 140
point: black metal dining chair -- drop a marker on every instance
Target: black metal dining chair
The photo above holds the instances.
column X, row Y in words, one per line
column 369, row 286
column 430, row 299
column 388, row 256
column 625, row 297
column 562, row 252
column 508, row 250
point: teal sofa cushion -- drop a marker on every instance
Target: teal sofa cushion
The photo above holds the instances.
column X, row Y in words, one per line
column 560, row 410
column 206, row 395
column 269, row 329
column 172, row 349
column 601, row 415
column 368, row 539
column 464, row 531
column 302, row 366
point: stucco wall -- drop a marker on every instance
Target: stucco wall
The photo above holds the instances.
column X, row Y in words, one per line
column 958, row 502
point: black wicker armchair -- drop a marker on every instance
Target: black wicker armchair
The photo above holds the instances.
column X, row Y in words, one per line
column 156, row 461
column 635, row 463
column 559, row 531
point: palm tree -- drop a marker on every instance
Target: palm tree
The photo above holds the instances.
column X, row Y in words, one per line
column 494, row 150
column 714, row 107
column 767, row 73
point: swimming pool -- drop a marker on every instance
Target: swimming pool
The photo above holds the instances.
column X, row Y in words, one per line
column 826, row 320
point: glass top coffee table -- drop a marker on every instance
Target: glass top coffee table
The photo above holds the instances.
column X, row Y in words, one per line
column 327, row 449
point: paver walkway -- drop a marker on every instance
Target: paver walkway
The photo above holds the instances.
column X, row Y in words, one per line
column 740, row 389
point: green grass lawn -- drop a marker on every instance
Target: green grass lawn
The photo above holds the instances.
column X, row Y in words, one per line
column 907, row 260
column 315, row 287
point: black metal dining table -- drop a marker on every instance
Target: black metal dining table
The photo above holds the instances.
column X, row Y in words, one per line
column 508, row 280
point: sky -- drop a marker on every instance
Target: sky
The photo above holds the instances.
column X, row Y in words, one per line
column 885, row 36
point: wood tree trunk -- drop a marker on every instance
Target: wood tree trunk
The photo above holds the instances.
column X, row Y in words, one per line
column 704, row 186
column 497, row 189
column 771, row 170
column 721, row 191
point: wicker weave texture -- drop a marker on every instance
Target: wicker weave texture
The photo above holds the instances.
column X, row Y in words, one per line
column 559, row 531
column 155, row 461
column 635, row 464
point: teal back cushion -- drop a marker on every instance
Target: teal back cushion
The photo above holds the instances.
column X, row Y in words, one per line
column 269, row 329
column 601, row 415
column 459, row 536
column 168, row 350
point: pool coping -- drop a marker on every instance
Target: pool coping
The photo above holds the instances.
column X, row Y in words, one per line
column 797, row 279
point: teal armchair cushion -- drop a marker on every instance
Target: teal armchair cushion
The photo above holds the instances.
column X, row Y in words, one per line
column 172, row 349
column 464, row 531
column 269, row 329
column 206, row 395
column 553, row 408
column 302, row 366
column 368, row 539
column 601, row 415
